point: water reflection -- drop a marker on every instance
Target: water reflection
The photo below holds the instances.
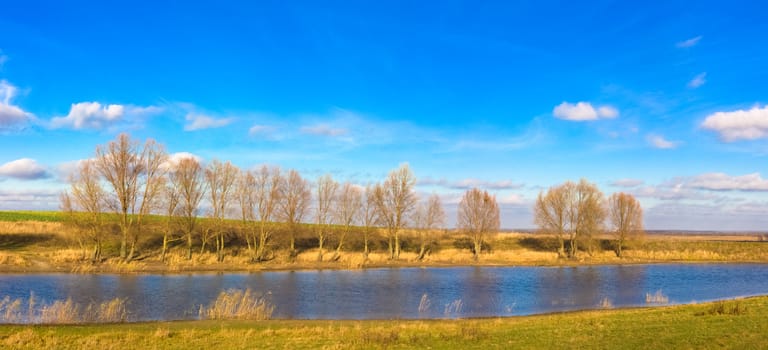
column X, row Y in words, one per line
column 397, row 293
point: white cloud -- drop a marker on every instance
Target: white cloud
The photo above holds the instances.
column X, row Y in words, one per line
column 10, row 115
column 724, row 182
column 689, row 43
column 323, row 130
column 660, row 142
column 260, row 130
column 23, row 169
column 698, row 80
column 629, row 183
column 175, row 158
column 465, row 184
column 3, row 59
column 740, row 124
column 94, row 115
column 513, row 198
column 37, row 199
column 201, row 121
column 583, row 111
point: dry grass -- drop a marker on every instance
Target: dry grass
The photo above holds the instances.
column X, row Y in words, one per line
column 30, row 227
column 62, row 312
column 237, row 304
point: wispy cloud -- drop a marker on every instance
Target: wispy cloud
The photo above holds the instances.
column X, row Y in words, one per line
column 323, row 130
column 24, row 169
column 698, row 81
column 11, row 116
column 196, row 121
column 689, row 42
column 468, row 183
column 660, row 142
column 628, row 183
column 96, row 116
column 583, row 111
column 261, row 130
column 724, row 182
column 740, row 124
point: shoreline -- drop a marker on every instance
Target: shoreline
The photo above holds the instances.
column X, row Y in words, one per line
column 131, row 268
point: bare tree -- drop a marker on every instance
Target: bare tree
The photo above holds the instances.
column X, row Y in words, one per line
column 394, row 201
column 478, row 215
column 326, row 196
column 171, row 196
column 133, row 172
column 552, row 213
column 626, row 218
column 220, row 178
column 267, row 182
column 187, row 176
column 428, row 216
column 368, row 217
column 295, row 197
column 572, row 209
column 246, row 200
column 588, row 214
column 85, row 205
column 348, row 205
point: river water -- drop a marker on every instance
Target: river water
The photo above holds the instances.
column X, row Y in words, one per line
column 402, row 292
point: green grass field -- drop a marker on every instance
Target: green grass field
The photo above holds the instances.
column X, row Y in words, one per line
column 21, row 215
column 732, row 324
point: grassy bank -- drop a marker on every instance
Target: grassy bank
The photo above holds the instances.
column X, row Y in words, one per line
column 732, row 324
column 41, row 242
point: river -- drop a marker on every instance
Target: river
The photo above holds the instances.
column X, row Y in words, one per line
column 406, row 293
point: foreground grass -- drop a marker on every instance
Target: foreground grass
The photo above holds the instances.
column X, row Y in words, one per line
column 732, row 324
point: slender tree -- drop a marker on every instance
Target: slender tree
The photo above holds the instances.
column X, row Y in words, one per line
column 326, row 197
column 395, row 199
column 295, row 196
column 85, row 206
column 267, row 182
column 368, row 217
column 171, row 196
column 187, row 175
column 626, row 217
column 552, row 213
column 428, row 217
column 246, row 200
column 133, row 172
column 346, row 212
column 220, row 178
column 478, row 216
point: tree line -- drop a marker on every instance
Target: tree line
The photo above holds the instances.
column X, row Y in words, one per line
column 131, row 180
column 127, row 181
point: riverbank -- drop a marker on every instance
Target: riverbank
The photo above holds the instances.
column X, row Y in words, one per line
column 43, row 247
column 728, row 324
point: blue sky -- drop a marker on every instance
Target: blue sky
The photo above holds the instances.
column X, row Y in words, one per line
column 665, row 100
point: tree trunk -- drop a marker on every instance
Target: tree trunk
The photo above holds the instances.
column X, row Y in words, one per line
column 124, row 243
column 572, row 253
column 165, row 247
column 132, row 251
column 397, row 246
column 478, row 248
column 189, row 246
column 320, row 242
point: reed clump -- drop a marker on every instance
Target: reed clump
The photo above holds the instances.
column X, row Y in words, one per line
column 62, row 312
column 236, row 304
column 656, row 298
